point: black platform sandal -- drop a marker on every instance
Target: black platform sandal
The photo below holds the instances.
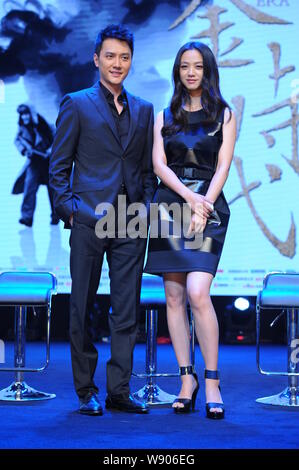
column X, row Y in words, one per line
column 214, row 374
column 189, row 403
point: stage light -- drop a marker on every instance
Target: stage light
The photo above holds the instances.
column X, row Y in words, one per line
column 241, row 304
column 239, row 321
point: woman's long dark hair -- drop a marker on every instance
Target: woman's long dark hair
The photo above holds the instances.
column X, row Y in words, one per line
column 211, row 98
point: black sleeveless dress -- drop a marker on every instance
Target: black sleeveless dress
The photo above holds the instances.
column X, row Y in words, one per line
column 192, row 155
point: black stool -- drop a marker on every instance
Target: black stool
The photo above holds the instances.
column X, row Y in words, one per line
column 281, row 291
column 152, row 298
column 22, row 290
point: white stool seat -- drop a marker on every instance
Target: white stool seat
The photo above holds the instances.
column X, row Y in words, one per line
column 281, row 291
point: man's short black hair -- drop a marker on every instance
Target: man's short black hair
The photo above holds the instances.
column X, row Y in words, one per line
column 114, row 31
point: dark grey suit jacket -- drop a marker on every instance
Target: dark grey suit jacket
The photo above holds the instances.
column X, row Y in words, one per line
column 87, row 146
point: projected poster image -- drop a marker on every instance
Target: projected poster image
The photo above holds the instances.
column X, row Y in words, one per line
column 46, row 50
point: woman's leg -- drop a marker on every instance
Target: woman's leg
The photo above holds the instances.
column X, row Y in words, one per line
column 206, row 326
column 178, row 325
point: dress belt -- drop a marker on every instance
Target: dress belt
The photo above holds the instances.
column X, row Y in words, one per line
column 195, row 173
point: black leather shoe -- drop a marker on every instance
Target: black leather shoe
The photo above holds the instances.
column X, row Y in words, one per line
column 27, row 222
column 91, row 407
column 127, row 404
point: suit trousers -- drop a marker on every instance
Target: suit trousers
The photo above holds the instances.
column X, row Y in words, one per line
column 125, row 257
column 35, row 175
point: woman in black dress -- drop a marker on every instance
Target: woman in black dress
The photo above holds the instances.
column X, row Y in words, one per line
column 193, row 148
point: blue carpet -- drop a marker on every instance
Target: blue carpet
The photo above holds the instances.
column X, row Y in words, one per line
column 55, row 424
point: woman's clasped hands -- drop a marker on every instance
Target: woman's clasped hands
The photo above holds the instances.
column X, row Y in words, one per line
column 201, row 210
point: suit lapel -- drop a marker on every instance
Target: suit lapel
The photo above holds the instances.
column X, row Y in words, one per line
column 134, row 114
column 96, row 95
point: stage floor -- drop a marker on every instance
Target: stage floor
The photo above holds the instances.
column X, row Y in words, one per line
column 55, row 424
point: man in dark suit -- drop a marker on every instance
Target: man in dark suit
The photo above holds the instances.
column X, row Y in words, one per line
column 104, row 134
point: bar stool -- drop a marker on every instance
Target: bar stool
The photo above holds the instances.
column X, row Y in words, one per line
column 152, row 298
column 281, row 291
column 23, row 290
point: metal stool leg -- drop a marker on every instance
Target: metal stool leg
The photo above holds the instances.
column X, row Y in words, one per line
column 151, row 392
column 19, row 390
column 289, row 397
column 293, row 366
